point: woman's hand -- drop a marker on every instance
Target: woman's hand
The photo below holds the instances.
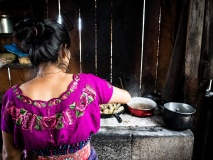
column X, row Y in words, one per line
column 9, row 152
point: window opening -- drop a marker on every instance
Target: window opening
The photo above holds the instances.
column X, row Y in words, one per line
column 158, row 51
column 59, row 12
column 96, row 39
column 79, row 28
column 111, row 54
column 143, row 22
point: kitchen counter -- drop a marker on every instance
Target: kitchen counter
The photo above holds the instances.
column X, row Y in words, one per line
column 137, row 138
column 132, row 121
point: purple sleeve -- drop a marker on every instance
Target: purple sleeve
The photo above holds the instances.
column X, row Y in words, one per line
column 103, row 88
column 6, row 120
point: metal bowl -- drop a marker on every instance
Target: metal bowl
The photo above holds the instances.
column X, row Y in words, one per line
column 141, row 107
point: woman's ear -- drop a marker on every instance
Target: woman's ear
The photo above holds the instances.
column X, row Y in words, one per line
column 64, row 51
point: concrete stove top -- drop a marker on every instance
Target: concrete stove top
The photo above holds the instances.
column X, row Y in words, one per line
column 151, row 126
column 137, row 138
column 132, row 121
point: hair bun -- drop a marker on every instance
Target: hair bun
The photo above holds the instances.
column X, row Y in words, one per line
column 41, row 39
column 29, row 31
column 38, row 28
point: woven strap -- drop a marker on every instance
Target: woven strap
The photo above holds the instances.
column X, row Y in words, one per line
column 58, row 150
column 82, row 154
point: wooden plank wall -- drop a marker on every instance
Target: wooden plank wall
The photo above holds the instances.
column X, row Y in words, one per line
column 168, row 29
column 173, row 86
column 103, row 20
column 112, row 45
column 150, row 48
column 199, row 58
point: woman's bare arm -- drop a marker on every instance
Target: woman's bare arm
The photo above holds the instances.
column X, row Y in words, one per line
column 9, row 152
column 120, row 96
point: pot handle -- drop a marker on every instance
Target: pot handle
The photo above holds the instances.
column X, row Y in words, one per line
column 161, row 106
column 117, row 117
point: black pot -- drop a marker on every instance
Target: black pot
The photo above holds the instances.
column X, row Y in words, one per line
column 178, row 116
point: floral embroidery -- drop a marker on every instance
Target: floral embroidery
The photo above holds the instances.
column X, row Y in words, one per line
column 49, row 122
column 52, row 122
column 79, row 109
column 38, row 125
column 16, row 114
column 68, row 117
column 53, row 102
column 28, row 120
column 87, row 96
column 74, row 106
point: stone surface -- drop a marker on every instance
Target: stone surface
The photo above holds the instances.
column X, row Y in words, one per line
column 112, row 145
column 141, row 139
column 165, row 147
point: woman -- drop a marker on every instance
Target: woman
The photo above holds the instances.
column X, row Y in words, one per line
column 54, row 115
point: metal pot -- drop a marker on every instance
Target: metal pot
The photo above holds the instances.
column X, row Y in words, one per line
column 178, row 116
column 6, row 24
column 141, row 107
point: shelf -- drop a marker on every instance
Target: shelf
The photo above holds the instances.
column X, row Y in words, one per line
column 4, row 35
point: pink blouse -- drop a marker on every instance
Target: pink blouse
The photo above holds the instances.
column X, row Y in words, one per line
column 68, row 119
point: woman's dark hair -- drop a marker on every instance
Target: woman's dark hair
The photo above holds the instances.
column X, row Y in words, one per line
column 41, row 39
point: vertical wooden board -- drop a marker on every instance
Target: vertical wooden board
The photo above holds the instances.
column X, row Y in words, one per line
column 4, row 80
column 151, row 33
column 52, row 9
column 173, row 88
column 207, row 45
column 2, row 50
column 75, row 52
column 133, row 44
column 70, row 15
column 193, row 90
column 127, row 43
column 194, row 38
column 210, row 41
column 166, row 40
column 9, row 40
column 39, row 8
column 87, row 9
column 205, row 56
column 45, row 9
column 3, row 41
column 118, row 39
column 17, row 76
column 103, row 19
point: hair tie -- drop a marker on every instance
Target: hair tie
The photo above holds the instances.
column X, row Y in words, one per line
column 36, row 31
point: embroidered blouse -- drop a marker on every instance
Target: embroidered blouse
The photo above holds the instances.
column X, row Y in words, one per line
column 68, row 119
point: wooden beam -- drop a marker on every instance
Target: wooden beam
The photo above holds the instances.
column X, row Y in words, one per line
column 194, row 37
column 173, row 84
